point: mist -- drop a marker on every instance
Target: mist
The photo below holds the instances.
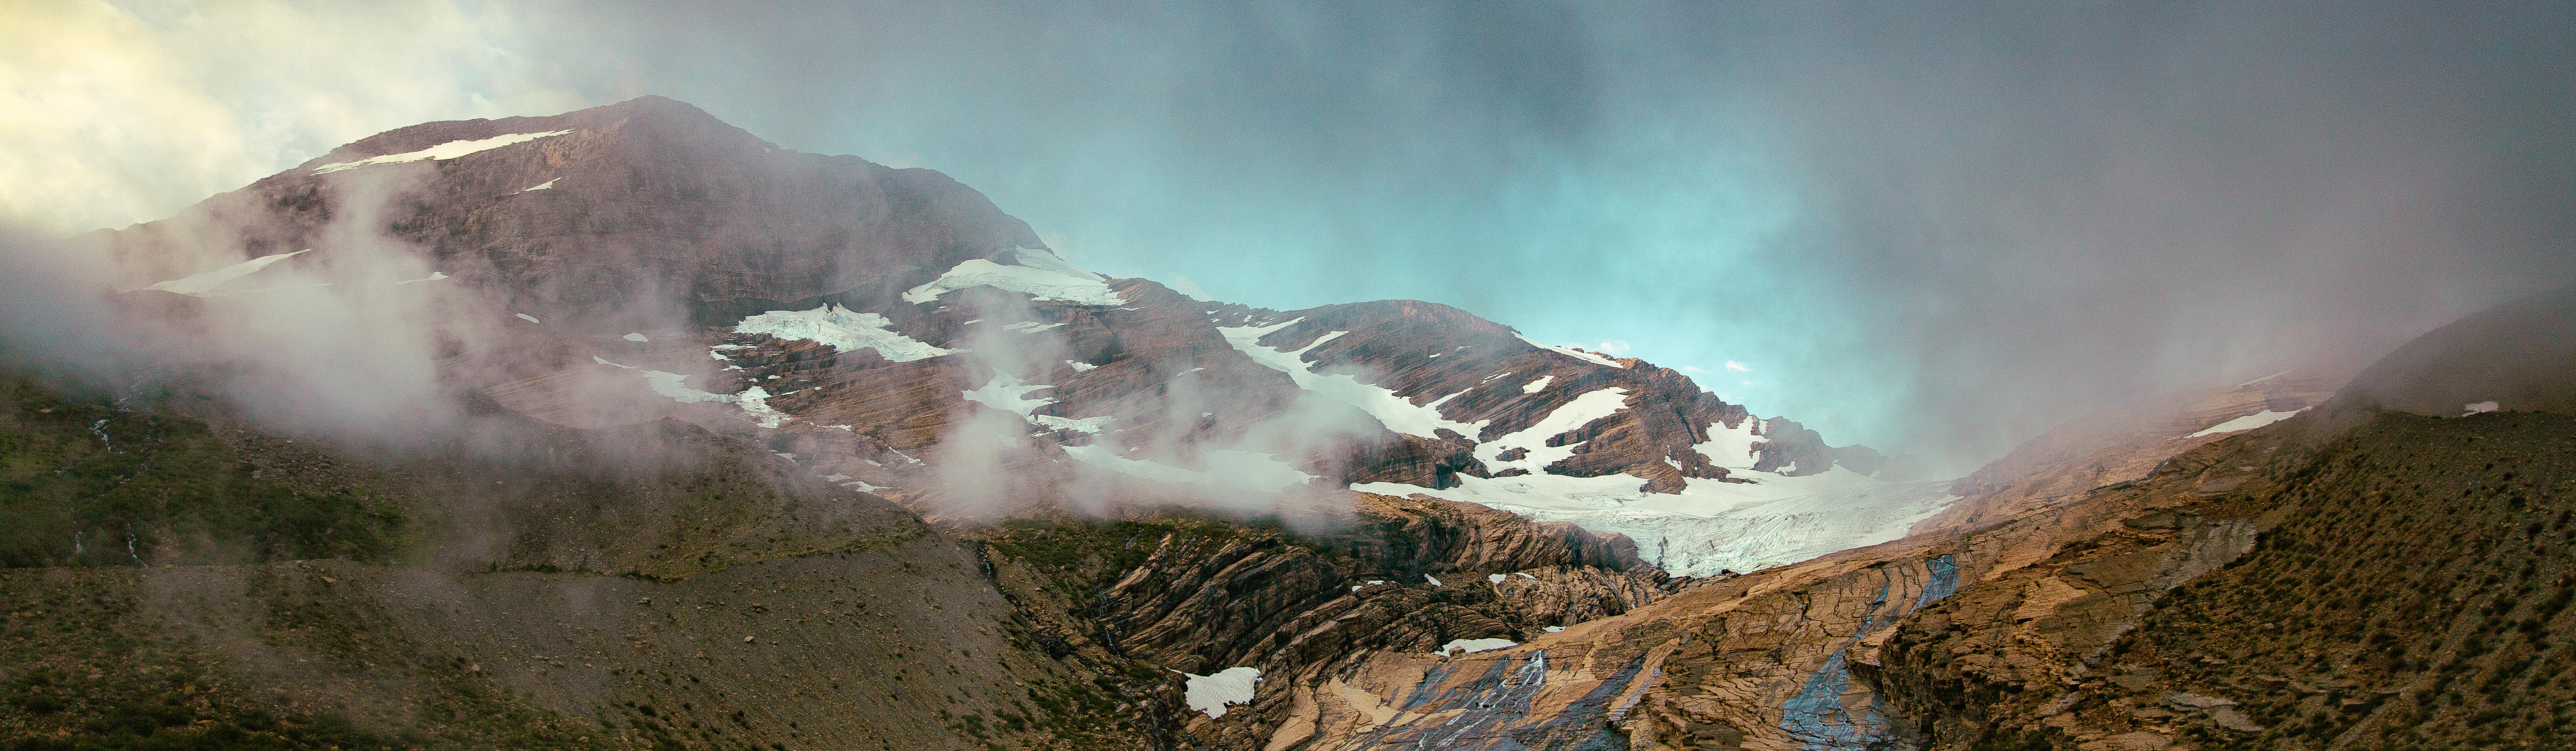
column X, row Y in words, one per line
column 1932, row 230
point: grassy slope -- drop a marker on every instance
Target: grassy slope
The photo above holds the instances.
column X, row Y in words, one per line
column 2415, row 597
column 279, row 596
column 87, row 664
column 2413, row 594
column 83, row 483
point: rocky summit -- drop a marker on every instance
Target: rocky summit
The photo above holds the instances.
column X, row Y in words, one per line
column 625, row 428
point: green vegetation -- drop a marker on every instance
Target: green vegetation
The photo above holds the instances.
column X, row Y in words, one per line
column 86, row 483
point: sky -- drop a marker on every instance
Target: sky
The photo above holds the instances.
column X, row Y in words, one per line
column 1932, row 229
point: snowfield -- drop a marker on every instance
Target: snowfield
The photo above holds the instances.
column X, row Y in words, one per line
column 1712, row 526
column 1395, row 412
column 2248, row 422
column 206, row 282
column 448, row 150
column 1570, row 352
column 754, row 401
column 1211, row 693
column 1470, row 646
column 1038, row 274
column 842, row 330
column 1583, row 410
column 1010, row 394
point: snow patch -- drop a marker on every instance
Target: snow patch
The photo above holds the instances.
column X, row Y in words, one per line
column 2265, row 378
column 433, row 276
column 1040, row 275
column 1471, row 646
column 1435, row 581
column 1212, row 693
column 1712, row 526
column 547, row 185
column 1732, row 448
column 2477, row 407
column 1009, row 394
column 528, row 318
column 205, row 282
column 754, row 401
column 448, row 150
column 636, row 336
column 842, row 330
column 1553, row 629
column 1397, row 413
column 1571, row 415
column 2248, row 422
column 1080, row 366
column 1495, row 578
column 1041, row 258
column 1570, row 352
column 1537, row 385
column 1083, row 425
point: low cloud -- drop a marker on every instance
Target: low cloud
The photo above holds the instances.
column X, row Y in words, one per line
column 1183, row 285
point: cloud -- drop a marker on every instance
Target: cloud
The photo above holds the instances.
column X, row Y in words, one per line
column 1612, row 347
column 124, row 112
column 1737, row 367
column 1183, row 285
column 1941, row 232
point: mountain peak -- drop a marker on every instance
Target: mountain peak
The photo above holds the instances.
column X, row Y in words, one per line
column 660, row 122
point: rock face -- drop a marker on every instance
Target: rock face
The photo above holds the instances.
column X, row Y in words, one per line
column 1408, row 576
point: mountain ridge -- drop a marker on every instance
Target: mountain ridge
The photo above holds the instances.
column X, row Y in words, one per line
column 624, row 220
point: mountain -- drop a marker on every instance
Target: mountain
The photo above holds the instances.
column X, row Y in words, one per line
column 643, row 260
column 626, row 429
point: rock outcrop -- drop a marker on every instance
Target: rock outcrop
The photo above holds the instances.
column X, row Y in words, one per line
column 1408, row 576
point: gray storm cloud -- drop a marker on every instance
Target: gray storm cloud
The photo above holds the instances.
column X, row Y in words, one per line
column 1932, row 229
